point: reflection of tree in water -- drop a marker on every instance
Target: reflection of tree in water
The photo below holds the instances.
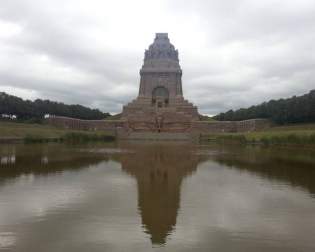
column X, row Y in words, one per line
column 159, row 170
column 43, row 160
column 293, row 166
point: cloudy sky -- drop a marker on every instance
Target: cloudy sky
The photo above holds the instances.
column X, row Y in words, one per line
column 233, row 53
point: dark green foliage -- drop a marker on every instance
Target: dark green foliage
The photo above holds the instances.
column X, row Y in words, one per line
column 34, row 111
column 84, row 137
column 280, row 139
column 71, row 137
column 291, row 139
column 231, row 139
column 297, row 109
column 35, row 139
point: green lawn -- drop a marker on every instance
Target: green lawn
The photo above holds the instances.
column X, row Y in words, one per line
column 8, row 129
column 298, row 134
column 42, row 131
column 296, row 129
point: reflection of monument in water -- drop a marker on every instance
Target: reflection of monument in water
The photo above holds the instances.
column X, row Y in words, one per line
column 159, row 170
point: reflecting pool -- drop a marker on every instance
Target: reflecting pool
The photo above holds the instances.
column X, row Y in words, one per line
column 156, row 196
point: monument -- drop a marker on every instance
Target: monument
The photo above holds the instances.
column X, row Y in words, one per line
column 160, row 105
column 160, row 111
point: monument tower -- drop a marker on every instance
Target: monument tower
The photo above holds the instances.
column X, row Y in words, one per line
column 160, row 105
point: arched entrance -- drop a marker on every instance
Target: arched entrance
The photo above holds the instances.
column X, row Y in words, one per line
column 160, row 97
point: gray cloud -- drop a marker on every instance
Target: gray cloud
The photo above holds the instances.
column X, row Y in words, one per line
column 233, row 54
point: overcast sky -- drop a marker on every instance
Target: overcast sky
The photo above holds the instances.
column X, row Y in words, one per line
column 233, row 53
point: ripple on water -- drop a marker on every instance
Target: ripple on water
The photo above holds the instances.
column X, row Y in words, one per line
column 7, row 240
column 106, row 150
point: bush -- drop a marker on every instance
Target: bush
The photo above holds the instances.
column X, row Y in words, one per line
column 35, row 139
column 86, row 137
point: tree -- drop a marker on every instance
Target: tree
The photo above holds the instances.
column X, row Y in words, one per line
column 297, row 109
column 35, row 110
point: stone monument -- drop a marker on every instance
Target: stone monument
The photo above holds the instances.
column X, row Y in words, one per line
column 160, row 110
column 160, row 105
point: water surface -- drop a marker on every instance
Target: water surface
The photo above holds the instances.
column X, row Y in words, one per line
column 156, row 196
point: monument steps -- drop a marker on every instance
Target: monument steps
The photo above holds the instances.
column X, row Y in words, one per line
column 159, row 136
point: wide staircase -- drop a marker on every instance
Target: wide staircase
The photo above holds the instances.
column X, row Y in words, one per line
column 147, row 121
column 158, row 136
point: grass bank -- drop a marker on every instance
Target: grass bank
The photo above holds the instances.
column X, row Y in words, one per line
column 31, row 133
column 298, row 134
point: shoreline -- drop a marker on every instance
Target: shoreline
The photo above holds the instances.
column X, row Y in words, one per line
column 265, row 138
column 11, row 132
column 299, row 135
column 67, row 138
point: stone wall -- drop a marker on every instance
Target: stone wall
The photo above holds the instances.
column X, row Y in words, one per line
column 252, row 125
column 230, row 126
column 78, row 124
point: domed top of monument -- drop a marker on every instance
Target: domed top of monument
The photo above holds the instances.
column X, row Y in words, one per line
column 160, row 99
column 161, row 49
column 161, row 56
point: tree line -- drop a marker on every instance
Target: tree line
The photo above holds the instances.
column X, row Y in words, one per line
column 26, row 110
column 297, row 109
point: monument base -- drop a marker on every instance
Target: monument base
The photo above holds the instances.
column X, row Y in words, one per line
column 156, row 136
column 142, row 115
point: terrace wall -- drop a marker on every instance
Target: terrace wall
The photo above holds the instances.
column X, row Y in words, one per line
column 202, row 127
